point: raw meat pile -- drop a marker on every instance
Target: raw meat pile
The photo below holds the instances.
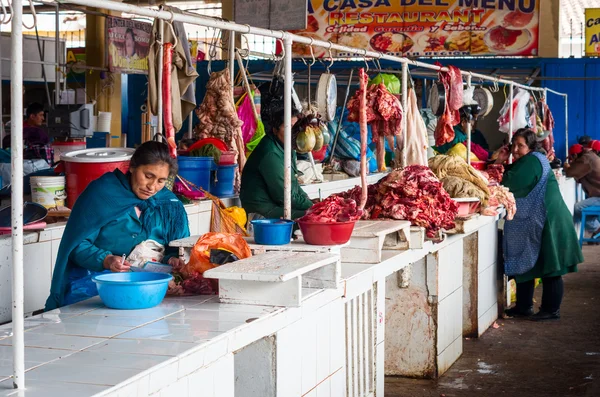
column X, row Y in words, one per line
column 333, row 209
column 494, row 174
column 219, row 119
column 453, row 87
column 501, row 195
column 384, row 115
column 412, row 193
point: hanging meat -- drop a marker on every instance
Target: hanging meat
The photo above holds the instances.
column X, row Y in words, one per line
column 453, row 89
column 384, row 115
column 416, row 132
column 364, row 79
column 167, row 98
column 218, row 118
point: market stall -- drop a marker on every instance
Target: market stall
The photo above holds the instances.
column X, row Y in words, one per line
column 317, row 287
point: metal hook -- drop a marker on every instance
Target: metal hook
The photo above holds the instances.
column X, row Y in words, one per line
column 366, row 63
column 312, row 54
column 330, row 56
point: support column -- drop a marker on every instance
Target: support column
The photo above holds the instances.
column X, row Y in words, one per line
column 110, row 99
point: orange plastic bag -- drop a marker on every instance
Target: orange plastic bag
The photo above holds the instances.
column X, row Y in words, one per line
column 200, row 255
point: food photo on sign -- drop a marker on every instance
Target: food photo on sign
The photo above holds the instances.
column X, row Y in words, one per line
column 128, row 45
column 411, row 28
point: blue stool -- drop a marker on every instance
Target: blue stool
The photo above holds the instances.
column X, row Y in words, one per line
column 589, row 211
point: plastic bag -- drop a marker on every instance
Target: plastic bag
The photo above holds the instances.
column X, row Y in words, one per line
column 200, row 254
column 520, row 113
column 146, row 251
column 246, row 114
column 390, row 81
column 460, row 150
column 238, row 214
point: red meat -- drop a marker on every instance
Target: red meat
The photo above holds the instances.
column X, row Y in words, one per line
column 363, row 137
column 333, row 209
column 414, row 194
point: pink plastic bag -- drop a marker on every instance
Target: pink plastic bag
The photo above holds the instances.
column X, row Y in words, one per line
column 246, row 115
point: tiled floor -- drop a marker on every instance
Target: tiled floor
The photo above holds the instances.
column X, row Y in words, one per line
column 85, row 348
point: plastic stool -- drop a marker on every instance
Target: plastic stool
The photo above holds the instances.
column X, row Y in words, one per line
column 589, row 211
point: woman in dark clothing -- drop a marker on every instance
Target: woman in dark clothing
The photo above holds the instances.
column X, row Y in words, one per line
column 540, row 242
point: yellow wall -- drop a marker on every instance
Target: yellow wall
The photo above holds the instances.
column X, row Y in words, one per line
column 110, row 99
column 549, row 28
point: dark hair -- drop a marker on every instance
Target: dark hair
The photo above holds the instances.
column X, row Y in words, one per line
column 129, row 30
column 34, row 108
column 153, row 152
column 529, row 137
column 278, row 115
column 584, row 140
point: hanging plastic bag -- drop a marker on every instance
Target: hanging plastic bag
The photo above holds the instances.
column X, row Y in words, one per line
column 520, row 115
column 390, row 81
column 246, row 114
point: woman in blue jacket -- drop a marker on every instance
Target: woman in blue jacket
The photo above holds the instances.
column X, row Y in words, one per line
column 112, row 216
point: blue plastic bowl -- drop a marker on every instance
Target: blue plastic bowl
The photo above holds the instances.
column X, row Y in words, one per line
column 131, row 291
column 272, row 231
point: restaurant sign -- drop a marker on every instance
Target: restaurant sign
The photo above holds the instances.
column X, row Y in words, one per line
column 425, row 27
column 592, row 32
column 128, row 45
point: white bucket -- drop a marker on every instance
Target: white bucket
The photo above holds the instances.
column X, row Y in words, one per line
column 48, row 191
column 104, row 122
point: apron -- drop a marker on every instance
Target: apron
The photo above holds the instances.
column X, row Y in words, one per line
column 523, row 234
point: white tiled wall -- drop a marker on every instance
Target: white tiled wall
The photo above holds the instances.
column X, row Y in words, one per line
column 311, row 354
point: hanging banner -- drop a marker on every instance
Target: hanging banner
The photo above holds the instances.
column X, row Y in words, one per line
column 422, row 28
column 128, row 45
column 592, row 32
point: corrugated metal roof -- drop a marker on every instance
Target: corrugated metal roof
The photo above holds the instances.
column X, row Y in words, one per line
column 574, row 10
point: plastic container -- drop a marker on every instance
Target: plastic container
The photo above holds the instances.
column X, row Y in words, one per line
column 316, row 233
column 103, row 122
column 478, row 165
column 131, row 291
column 196, row 170
column 48, row 191
column 84, row 166
column 221, row 185
column 61, row 148
column 467, row 206
column 227, row 158
column 272, row 231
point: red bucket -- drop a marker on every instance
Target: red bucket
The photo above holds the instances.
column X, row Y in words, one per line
column 335, row 233
column 84, row 166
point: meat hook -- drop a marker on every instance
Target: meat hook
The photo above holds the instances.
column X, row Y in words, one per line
column 366, row 63
column 330, row 56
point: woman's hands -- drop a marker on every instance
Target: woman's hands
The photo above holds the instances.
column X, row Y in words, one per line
column 116, row 264
column 503, row 155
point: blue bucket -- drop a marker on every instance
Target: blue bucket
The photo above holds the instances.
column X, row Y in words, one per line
column 222, row 184
column 131, row 291
column 196, row 170
column 272, row 231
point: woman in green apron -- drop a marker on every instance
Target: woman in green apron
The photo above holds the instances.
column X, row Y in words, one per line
column 540, row 242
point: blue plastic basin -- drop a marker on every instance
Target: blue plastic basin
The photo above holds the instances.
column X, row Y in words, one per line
column 272, row 231
column 196, row 170
column 130, row 291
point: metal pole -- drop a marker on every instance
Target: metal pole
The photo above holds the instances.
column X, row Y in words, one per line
column 231, row 26
column 510, row 119
column 1, row 107
column 405, row 111
column 57, row 58
column 16, row 144
column 232, row 59
column 159, row 116
column 287, row 123
column 566, row 126
column 468, row 131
